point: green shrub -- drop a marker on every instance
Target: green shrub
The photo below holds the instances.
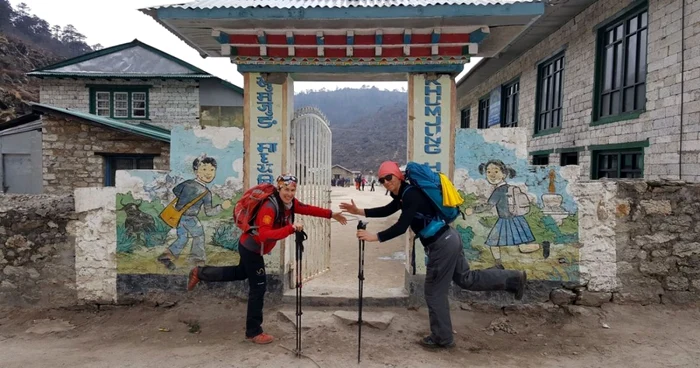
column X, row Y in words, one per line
column 125, row 241
column 226, row 235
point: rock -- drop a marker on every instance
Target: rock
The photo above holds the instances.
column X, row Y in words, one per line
column 696, row 284
column 377, row 320
column 33, row 274
column 562, row 296
column 7, row 285
column 501, row 324
column 686, row 249
column 47, row 326
column 13, row 271
column 310, row 319
column 528, row 248
column 680, row 297
column 676, row 283
column 467, row 307
column 592, row 299
column 52, row 225
column 577, row 310
column 656, row 207
column 653, row 268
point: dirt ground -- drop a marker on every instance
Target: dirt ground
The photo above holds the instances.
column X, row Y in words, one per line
column 614, row 336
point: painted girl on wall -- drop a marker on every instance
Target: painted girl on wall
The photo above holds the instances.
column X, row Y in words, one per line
column 511, row 205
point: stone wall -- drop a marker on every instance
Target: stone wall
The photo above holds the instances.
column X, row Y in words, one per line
column 37, row 255
column 660, row 123
column 170, row 102
column 70, row 153
column 658, row 242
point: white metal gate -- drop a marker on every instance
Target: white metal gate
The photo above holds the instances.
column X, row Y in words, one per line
column 311, row 162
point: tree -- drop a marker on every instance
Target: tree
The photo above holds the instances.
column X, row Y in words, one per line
column 6, row 14
column 96, row 47
column 56, row 31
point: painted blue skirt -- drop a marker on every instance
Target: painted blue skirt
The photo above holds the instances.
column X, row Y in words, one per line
column 510, row 231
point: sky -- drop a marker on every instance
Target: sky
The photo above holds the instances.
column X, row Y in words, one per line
column 110, row 23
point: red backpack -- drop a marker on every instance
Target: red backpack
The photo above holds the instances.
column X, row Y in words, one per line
column 249, row 204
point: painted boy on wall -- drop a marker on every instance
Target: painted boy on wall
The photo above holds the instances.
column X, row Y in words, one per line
column 191, row 195
column 511, row 228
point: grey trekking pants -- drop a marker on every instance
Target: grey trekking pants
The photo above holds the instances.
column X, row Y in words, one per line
column 446, row 263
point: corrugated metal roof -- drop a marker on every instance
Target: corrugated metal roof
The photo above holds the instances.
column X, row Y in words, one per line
column 292, row 4
column 144, row 130
column 119, row 75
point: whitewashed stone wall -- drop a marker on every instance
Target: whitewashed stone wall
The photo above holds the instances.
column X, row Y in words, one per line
column 170, row 102
column 661, row 121
column 95, row 245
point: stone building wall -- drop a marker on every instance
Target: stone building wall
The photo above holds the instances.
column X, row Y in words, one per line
column 37, row 255
column 170, row 102
column 71, row 153
column 660, row 123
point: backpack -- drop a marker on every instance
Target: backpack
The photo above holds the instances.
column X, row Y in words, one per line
column 429, row 182
column 518, row 202
column 247, row 207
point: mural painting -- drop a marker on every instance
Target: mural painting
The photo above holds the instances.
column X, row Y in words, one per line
column 168, row 222
column 519, row 216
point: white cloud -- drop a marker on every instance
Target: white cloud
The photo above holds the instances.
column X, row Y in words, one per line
column 126, row 183
column 238, row 167
column 220, row 137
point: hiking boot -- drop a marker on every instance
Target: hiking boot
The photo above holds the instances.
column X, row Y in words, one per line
column 428, row 342
column 516, row 285
column 193, row 279
column 263, row 338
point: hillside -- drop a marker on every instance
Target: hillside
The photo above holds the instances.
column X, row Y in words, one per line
column 28, row 42
column 368, row 124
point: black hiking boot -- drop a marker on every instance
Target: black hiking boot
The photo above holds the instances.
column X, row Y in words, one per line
column 428, row 342
column 516, row 285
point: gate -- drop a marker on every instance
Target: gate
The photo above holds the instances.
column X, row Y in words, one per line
column 311, row 161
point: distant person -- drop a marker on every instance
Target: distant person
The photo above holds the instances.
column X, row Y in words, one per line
column 364, row 181
column 446, row 260
column 372, row 188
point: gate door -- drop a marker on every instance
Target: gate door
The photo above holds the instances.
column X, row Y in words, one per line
column 311, row 162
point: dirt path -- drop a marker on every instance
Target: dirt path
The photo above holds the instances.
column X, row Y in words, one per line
column 658, row 336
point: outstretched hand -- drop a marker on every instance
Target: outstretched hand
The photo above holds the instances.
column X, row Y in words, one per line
column 338, row 216
column 350, row 208
column 367, row 236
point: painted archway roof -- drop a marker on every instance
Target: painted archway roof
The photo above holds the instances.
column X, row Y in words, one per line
column 292, row 4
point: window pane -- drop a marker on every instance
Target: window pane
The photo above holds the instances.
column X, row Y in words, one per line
column 643, row 18
column 618, row 32
column 617, row 80
column 608, row 69
column 605, row 105
column 642, row 70
column 145, row 163
column 615, row 102
column 631, row 69
column 632, row 25
column 121, row 104
column 629, row 99
column 102, row 103
column 124, row 164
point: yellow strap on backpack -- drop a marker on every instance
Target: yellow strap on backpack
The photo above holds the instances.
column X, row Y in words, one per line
column 450, row 195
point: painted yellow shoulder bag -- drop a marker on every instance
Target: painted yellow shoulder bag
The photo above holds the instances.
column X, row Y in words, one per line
column 171, row 216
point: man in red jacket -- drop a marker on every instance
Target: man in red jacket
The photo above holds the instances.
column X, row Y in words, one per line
column 272, row 227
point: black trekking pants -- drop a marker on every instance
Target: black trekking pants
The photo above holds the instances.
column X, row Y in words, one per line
column 251, row 267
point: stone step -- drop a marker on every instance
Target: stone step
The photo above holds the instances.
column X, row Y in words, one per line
column 349, row 298
column 314, row 319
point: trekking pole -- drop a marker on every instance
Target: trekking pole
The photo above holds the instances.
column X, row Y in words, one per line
column 361, row 277
column 300, row 237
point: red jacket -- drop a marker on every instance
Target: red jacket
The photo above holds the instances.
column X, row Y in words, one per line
column 268, row 232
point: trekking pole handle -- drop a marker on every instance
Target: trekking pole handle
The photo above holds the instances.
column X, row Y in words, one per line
column 362, row 225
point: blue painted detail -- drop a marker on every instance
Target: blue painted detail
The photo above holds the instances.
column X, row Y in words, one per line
column 435, row 37
column 257, row 68
column 477, row 36
column 223, row 38
column 290, row 40
column 319, row 40
column 262, row 39
column 351, row 40
column 378, row 39
column 407, row 38
column 449, row 11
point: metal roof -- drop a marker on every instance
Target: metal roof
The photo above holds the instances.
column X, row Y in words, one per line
column 144, row 130
column 118, row 75
column 298, row 4
column 555, row 17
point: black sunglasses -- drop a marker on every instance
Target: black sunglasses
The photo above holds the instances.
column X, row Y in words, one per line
column 386, row 178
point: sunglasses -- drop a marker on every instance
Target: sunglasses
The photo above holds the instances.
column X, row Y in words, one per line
column 386, row 178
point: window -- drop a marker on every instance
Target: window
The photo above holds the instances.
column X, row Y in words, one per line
column 549, row 94
column 119, row 102
column 483, row 113
column 627, row 163
column 114, row 163
column 568, row 158
column 540, row 159
column 465, row 119
column 622, row 66
column 510, row 105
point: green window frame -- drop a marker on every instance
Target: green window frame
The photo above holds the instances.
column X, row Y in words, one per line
column 119, row 102
column 541, row 160
column 618, row 161
column 510, row 95
column 549, row 111
column 621, row 66
column 465, row 118
column 483, row 113
column 114, row 162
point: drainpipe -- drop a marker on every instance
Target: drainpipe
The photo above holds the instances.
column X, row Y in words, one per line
column 680, row 148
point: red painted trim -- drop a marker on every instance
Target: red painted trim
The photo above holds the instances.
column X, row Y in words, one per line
column 335, row 52
column 277, row 52
column 454, row 38
column 450, row 50
column 421, row 38
column 335, row 39
column 392, row 39
column 420, row 51
column 358, row 53
column 249, row 51
column 276, row 39
column 243, row 39
column 306, row 52
column 364, row 40
column 392, row 52
column 304, row 39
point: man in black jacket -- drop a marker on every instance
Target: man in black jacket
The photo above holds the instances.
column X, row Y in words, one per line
column 446, row 260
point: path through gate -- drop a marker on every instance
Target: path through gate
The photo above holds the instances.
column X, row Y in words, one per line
column 311, row 162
